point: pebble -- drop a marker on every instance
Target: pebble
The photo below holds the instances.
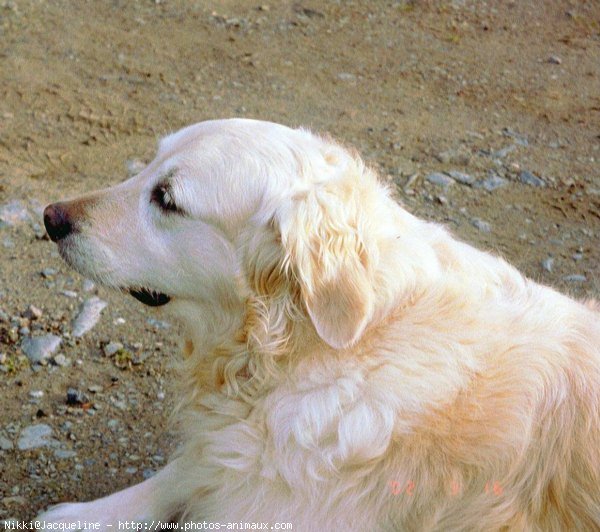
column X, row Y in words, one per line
column 89, row 314
column 48, row 272
column 529, row 179
column 36, row 394
column 35, row 436
column 8, row 243
column 491, row 183
column 13, row 213
column 484, row 227
column 112, row 347
column 575, row 278
column 453, row 157
column 39, row 348
column 346, row 76
column 95, row 388
column 69, row 293
column 131, row 470
column 500, row 154
column 158, row 324
column 64, row 454
column 88, row 285
column 462, row 178
column 440, row 179
column 554, row 60
column 39, row 232
column 518, row 137
column 62, row 361
column 33, row 312
column 75, row 397
column 548, row 264
column 5, row 444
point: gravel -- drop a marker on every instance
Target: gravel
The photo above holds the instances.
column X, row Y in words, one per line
column 13, row 213
column 88, row 316
column 40, row 348
column 441, row 180
column 491, row 183
column 461, row 177
column 5, row 444
column 575, row 278
column 528, row 178
column 547, row 264
column 35, row 436
column 484, row 227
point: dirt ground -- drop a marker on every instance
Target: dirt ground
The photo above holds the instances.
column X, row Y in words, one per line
column 506, row 92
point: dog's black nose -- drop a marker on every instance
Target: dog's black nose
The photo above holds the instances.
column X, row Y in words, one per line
column 57, row 221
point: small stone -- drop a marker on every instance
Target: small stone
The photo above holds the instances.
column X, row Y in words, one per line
column 111, row 348
column 13, row 213
column 88, row 285
column 39, row 232
column 440, row 179
column 453, row 157
column 35, row 436
column 69, row 293
column 64, row 454
column 16, row 500
column 8, row 243
column 346, row 76
column 484, row 227
column 36, row 394
column 119, row 321
column 529, row 179
column 95, row 388
column 47, row 273
column 131, row 470
column 61, row 360
column 500, row 154
column 148, row 473
column 548, row 264
column 462, row 178
column 89, row 314
column 5, row 444
column 39, row 348
column 75, row 397
column 554, row 60
column 575, row 278
column 577, row 256
column 158, row 324
column 491, row 183
column 33, row 312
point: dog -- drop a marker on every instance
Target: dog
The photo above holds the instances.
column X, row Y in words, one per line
column 347, row 366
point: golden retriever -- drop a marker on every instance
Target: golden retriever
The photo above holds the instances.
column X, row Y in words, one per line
column 348, row 366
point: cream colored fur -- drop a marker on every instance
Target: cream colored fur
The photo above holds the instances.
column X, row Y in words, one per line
column 348, row 366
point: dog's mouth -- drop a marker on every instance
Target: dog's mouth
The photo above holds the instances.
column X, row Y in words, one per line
column 149, row 297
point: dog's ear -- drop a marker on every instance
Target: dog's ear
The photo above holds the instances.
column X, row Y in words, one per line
column 326, row 250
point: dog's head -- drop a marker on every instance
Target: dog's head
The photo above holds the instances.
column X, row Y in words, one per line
column 232, row 209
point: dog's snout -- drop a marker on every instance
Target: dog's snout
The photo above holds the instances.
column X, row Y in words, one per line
column 57, row 221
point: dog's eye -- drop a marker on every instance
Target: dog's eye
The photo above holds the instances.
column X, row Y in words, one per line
column 162, row 196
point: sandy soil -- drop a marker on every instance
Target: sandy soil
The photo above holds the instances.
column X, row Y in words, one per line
column 490, row 89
